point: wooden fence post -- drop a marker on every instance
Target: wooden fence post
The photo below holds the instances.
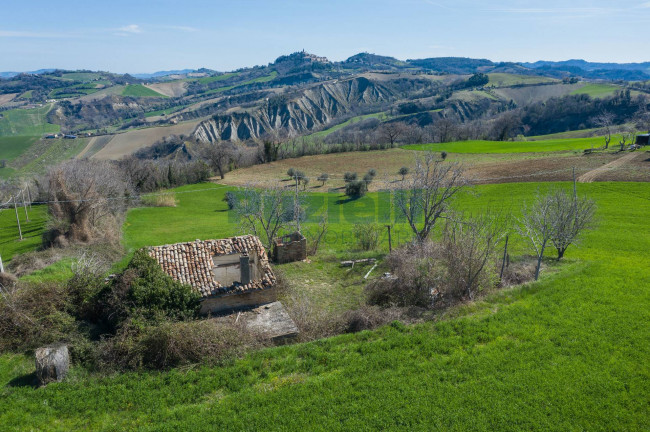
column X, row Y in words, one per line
column 503, row 263
column 20, row 231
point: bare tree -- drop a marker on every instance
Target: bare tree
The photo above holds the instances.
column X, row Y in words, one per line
column 605, row 121
column 536, row 225
column 571, row 215
column 445, row 129
column 426, row 195
column 628, row 134
column 392, row 131
column 505, row 125
column 218, row 156
column 266, row 212
column 469, row 244
column 642, row 119
column 82, row 195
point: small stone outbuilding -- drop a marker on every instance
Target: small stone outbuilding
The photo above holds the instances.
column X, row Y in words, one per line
column 290, row 248
column 229, row 274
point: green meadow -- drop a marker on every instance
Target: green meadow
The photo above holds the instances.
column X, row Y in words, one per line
column 597, row 90
column 138, row 90
column 25, row 122
column 481, row 146
column 566, row 353
column 13, row 146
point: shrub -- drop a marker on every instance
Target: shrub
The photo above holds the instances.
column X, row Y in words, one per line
column 291, row 172
column 355, row 189
column 167, row 199
column 367, row 235
column 443, row 155
column 231, row 199
column 403, row 172
column 349, row 177
column 152, row 291
column 372, row 173
column 415, row 279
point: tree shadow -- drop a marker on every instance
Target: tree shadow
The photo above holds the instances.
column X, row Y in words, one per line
column 347, row 199
column 27, row 380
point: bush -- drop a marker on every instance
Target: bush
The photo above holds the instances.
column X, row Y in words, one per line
column 415, row 278
column 291, row 172
column 367, row 235
column 403, row 172
column 443, row 155
column 152, row 291
column 231, row 199
column 167, row 199
column 323, row 178
column 355, row 189
column 349, row 177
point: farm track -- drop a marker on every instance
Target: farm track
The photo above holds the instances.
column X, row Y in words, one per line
column 591, row 176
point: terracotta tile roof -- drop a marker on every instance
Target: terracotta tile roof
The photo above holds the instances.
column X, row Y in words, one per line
column 191, row 263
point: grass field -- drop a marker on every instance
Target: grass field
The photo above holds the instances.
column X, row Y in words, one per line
column 566, row 353
column 328, row 131
column 597, row 90
column 13, row 146
column 10, row 243
column 480, row 146
column 81, row 76
column 505, row 79
column 263, row 79
column 27, row 122
column 138, row 90
column 206, row 80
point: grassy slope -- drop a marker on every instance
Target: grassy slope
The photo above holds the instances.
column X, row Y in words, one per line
column 10, row 243
column 138, row 90
column 25, row 122
column 480, row 146
column 567, row 353
column 506, row 79
column 13, row 146
column 597, row 90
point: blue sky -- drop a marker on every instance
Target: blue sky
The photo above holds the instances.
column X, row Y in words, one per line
column 146, row 36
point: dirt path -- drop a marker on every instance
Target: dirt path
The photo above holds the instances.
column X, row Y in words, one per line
column 590, row 176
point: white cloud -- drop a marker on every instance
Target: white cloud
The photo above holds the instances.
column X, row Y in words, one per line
column 645, row 5
column 128, row 30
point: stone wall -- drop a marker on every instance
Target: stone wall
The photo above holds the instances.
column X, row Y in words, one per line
column 290, row 248
column 232, row 302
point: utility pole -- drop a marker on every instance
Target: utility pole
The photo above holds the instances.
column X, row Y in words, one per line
column 505, row 254
column 25, row 205
column 296, row 207
column 2, row 269
column 20, row 231
column 390, row 241
column 29, row 197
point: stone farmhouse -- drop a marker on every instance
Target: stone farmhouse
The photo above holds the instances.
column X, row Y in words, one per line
column 229, row 274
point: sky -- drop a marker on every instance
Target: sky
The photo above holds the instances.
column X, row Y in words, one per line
column 139, row 36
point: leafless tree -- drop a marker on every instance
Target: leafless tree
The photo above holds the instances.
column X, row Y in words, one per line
column 392, row 131
column 505, row 125
column 536, row 225
column 628, row 134
column 445, row 129
column 426, row 195
column 82, row 195
column 605, row 121
column 571, row 215
column 218, row 156
column 468, row 246
column 268, row 211
column 642, row 119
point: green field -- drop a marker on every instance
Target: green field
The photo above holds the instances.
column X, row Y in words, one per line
column 263, row 79
column 27, row 122
column 13, row 146
column 506, row 79
column 81, row 76
column 10, row 243
column 206, row 80
column 138, row 90
column 566, row 353
column 328, row 131
column 480, row 146
column 597, row 90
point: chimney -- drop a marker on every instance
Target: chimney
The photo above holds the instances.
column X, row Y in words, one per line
column 245, row 268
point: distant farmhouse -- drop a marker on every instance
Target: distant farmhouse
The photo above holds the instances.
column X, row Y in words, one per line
column 229, row 274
